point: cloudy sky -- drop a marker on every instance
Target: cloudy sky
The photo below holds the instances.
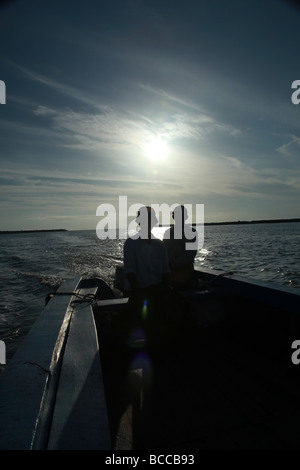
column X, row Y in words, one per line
column 162, row 101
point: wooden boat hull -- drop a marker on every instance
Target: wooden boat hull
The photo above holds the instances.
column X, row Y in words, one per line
column 220, row 375
column 51, row 393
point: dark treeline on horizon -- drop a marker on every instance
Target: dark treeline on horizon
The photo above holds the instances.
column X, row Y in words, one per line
column 241, row 222
column 7, row 232
column 238, row 222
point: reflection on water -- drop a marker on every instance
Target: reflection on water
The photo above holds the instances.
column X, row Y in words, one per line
column 269, row 252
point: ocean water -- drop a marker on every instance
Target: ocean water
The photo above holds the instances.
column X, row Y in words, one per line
column 34, row 264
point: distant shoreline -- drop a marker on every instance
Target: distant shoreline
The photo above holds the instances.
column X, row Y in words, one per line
column 8, row 232
column 248, row 222
column 237, row 222
column 243, row 222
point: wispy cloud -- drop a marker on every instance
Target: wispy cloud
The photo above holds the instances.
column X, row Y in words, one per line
column 170, row 97
column 291, row 148
column 186, row 119
column 110, row 126
column 65, row 89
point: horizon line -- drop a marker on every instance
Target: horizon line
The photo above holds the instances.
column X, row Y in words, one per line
column 236, row 222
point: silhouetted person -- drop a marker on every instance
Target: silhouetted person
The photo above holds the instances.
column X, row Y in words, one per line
column 179, row 240
column 146, row 272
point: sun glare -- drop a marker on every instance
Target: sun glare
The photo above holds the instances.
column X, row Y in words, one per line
column 156, row 150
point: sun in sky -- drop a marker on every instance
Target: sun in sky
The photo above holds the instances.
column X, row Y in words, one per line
column 156, row 150
column 140, row 96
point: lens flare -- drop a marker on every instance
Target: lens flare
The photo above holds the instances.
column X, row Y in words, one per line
column 144, row 310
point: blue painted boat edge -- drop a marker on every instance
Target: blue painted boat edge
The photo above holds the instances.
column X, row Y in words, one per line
column 79, row 418
column 266, row 292
column 28, row 383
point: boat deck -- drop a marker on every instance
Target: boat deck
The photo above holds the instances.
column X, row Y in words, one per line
column 212, row 386
column 216, row 374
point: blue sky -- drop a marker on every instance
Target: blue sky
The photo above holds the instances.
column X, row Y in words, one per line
column 162, row 101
